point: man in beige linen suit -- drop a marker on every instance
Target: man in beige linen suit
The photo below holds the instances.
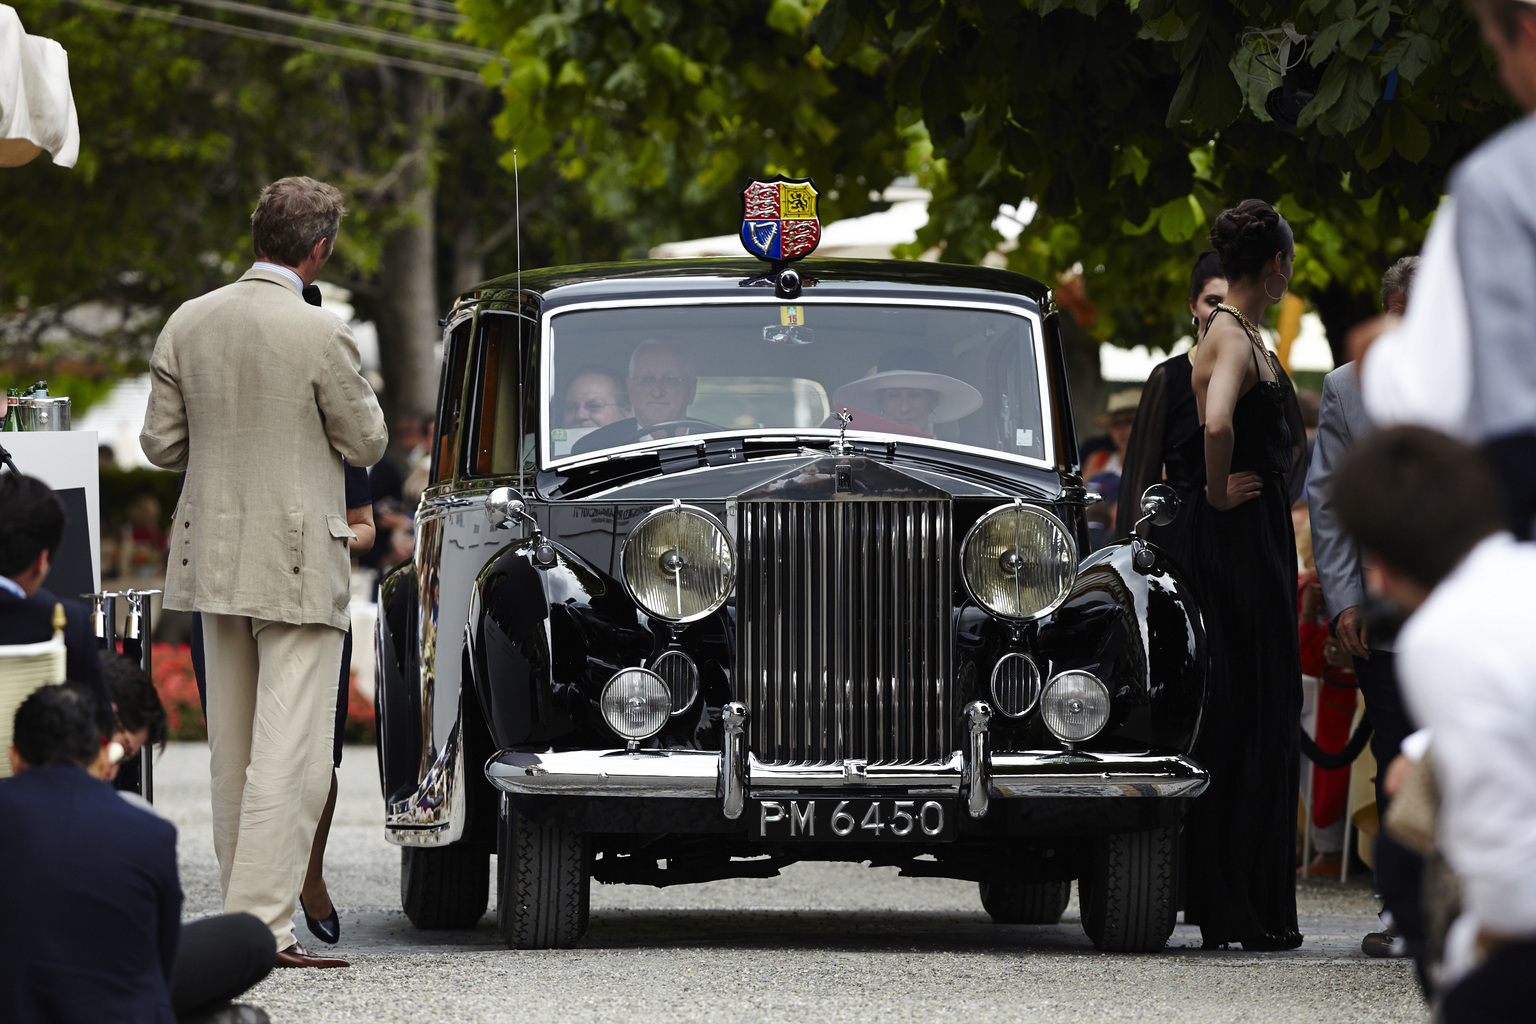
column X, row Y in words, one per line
column 258, row 396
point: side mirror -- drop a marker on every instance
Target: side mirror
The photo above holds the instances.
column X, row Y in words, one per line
column 1160, row 505
column 504, row 508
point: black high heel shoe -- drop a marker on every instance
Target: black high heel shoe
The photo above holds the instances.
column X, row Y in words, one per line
column 326, row 929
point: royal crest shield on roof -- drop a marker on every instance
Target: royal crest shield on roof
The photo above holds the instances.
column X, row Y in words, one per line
column 778, row 219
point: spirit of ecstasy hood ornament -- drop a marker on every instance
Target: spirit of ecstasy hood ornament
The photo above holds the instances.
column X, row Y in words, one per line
column 840, row 447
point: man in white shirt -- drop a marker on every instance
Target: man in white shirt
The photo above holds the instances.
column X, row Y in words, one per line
column 1424, row 509
column 1462, row 360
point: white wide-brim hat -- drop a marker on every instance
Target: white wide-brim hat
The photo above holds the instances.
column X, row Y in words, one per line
column 957, row 399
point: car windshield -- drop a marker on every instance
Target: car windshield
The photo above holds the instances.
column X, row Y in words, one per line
column 645, row 375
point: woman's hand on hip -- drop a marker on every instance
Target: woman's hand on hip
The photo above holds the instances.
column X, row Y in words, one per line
column 1241, row 487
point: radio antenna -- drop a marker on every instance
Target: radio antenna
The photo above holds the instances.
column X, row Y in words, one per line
column 517, row 231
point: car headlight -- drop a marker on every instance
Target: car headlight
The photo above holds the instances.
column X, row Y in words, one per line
column 1075, row 706
column 678, row 564
column 636, row 703
column 1018, row 562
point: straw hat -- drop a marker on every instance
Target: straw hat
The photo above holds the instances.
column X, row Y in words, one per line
column 1121, row 403
column 910, row 368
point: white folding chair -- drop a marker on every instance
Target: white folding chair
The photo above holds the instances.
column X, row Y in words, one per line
column 23, row 669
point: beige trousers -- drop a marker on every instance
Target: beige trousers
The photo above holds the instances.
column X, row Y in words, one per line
column 271, row 719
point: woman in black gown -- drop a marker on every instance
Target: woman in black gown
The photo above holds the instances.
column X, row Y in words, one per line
column 1240, row 835
column 1166, row 416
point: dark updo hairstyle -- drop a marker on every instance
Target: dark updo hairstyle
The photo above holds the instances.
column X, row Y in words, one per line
column 1207, row 266
column 1247, row 236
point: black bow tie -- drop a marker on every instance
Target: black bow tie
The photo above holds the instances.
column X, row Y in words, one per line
column 312, row 294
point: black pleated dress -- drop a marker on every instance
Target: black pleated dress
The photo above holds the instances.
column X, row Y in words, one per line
column 1240, row 834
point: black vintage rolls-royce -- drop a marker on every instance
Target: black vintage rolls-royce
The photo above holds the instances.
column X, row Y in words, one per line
column 724, row 566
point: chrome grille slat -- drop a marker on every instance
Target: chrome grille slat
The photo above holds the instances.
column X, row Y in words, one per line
column 848, row 653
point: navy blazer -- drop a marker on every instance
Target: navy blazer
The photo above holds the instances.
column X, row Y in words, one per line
column 92, row 902
column 30, row 621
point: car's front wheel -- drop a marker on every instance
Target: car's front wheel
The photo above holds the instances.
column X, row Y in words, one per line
column 1127, row 895
column 444, row 887
column 1025, row 902
column 542, row 883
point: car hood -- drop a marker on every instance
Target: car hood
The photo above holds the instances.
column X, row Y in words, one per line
column 730, row 474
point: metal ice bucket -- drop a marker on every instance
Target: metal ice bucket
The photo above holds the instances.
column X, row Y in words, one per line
column 46, row 413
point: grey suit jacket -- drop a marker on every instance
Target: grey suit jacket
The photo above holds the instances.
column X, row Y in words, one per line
column 258, row 395
column 1341, row 421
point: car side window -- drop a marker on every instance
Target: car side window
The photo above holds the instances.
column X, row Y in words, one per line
column 449, row 398
column 495, row 426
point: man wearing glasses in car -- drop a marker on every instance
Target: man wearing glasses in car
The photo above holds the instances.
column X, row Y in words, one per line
column 662, row 384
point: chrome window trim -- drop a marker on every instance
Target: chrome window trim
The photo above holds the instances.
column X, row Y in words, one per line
column 546, row 377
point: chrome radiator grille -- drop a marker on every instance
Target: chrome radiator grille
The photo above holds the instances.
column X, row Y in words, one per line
column 843, row 630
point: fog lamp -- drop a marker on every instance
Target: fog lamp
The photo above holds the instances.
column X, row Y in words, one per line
column 1075, row 706
column 636, row 703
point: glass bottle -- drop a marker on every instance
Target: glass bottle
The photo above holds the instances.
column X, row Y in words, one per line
column 12, row 411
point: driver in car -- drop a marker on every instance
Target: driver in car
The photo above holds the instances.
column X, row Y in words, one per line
column 662, row 384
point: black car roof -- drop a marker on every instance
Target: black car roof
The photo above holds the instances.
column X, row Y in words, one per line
column 693, row 277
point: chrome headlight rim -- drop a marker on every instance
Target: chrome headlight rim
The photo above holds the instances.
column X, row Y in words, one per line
column 613, row 680
column 1018, row 505
column 1035, row 679
column 1109, row 709
column 729, row 583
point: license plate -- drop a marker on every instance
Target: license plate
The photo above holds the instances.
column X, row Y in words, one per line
column 864, row 821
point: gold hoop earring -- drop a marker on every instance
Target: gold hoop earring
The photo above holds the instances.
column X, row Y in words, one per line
column 1283, row 285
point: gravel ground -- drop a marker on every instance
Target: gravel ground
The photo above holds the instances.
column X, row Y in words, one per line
column 823, row 942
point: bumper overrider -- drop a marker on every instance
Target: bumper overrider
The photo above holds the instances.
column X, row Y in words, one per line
column 731, row 775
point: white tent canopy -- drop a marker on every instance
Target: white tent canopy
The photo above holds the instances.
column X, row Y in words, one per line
column 37, row 107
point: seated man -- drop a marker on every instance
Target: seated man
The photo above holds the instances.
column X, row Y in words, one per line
column 594, row 399
column 662, row 384
column 34, row 528
column 93, row 895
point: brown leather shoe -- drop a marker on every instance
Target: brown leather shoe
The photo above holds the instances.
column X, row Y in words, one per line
column 297, row 956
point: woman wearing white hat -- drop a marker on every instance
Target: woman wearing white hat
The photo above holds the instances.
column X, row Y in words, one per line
column 906, row 395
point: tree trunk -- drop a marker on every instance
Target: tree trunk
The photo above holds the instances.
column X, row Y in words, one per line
column 408, row 307
column 408, row 312
column 1341, row 309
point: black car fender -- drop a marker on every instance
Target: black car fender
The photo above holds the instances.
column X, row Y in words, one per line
column 547, row 630
column 1143, row 635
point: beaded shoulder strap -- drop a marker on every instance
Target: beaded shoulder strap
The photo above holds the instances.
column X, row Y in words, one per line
column 1254, row 338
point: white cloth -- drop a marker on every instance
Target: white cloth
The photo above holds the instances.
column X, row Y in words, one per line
column 1467, row 665
column 36, row 103
column 1421, row 373
column 6, row 583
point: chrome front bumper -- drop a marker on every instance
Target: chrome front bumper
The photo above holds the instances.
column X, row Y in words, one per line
column 730, row 775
